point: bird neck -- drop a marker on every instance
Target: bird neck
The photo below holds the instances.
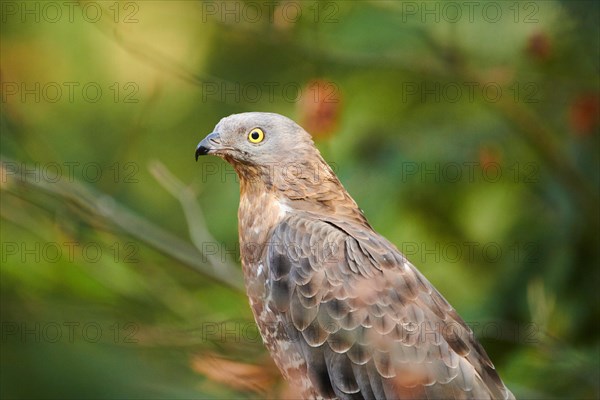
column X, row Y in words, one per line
column 303, row 185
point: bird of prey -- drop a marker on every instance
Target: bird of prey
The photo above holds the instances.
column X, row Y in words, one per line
column 343, row 313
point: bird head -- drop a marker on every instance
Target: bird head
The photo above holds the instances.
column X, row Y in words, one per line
column 255, row 138
column 264, row 145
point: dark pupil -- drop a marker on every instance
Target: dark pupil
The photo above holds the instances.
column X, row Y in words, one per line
column 255, row 135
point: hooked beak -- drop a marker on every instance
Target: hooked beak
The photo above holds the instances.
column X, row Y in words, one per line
column 208, row 145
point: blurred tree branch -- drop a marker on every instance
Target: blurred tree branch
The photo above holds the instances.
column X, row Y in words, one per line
column 199, row 234
column 17, row 177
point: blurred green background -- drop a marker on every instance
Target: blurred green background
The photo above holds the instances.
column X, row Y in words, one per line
column 467, row 132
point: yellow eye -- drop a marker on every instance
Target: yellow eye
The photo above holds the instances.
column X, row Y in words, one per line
column 256, row 135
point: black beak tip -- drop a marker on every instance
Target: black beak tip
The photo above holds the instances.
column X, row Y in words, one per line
column 201, row 151
column 210, row 142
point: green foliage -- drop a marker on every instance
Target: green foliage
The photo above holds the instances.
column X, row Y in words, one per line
column 470, row 142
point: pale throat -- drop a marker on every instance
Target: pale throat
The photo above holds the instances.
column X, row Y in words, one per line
column 260, row 210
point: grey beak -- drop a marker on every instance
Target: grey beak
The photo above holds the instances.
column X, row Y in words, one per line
column 210, row 143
